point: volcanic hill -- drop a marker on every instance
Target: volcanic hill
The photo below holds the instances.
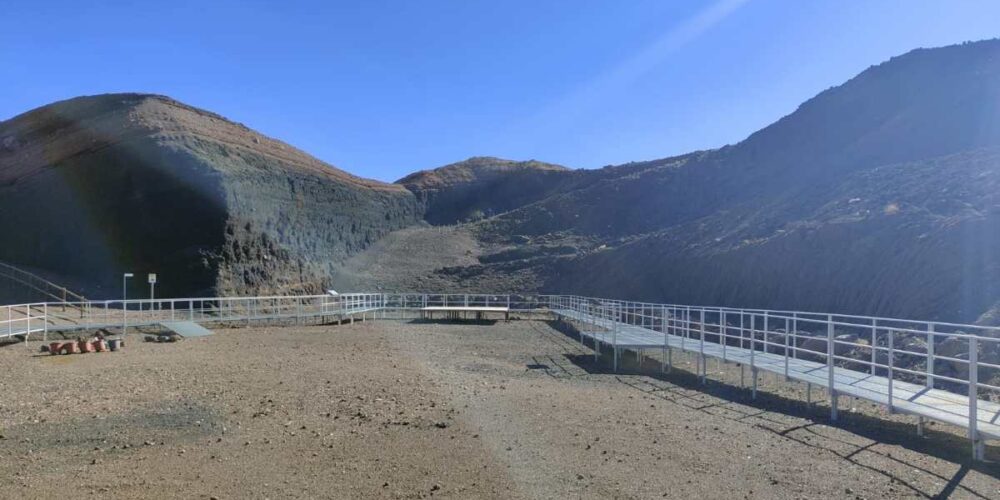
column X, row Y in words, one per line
column 96, row 186
column 880, row 196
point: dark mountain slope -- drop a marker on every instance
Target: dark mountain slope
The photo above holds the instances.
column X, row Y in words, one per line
column 919, row 239
column 925, row 104
column 873, row 197
column 96, row 186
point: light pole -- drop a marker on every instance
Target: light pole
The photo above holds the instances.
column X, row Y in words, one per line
column 125, row 277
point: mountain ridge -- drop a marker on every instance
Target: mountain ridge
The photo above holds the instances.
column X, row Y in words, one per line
column 875, row 197
column 781, row 200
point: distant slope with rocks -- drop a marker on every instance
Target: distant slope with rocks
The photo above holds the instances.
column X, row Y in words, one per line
column 96, row 186
column 483, row 186
column 879, row 196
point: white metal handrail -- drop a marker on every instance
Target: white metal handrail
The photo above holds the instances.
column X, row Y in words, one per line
column 818, row 337
column 38, row 283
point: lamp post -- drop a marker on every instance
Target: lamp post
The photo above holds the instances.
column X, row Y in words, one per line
column 125, row 277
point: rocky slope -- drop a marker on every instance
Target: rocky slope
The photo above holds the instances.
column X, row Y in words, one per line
column 96, row 186
column 484, row 186
column 878, row 196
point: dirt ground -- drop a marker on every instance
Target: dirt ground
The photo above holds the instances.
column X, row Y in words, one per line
column 414, row 410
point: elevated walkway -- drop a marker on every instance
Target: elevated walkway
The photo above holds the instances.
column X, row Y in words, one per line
column 898, row 396
column 21, row 330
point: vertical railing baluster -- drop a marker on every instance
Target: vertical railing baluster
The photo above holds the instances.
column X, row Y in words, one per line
column 830, row 350
column 889, row 371
column 974, row 398
column 930, row 355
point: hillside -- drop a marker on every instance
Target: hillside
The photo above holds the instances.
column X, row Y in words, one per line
column 483, row 186
column 96, row 186
column 878, row 196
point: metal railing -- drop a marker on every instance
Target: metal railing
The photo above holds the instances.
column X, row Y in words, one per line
column 38, row 284
column 141, row 312
column 23, row 319
column 961, row 359
column 958, row 358
column 121, row 314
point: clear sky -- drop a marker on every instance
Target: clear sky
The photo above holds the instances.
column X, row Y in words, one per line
column 383, row 88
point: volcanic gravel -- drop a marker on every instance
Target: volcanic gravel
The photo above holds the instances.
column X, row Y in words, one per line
column 460, row 410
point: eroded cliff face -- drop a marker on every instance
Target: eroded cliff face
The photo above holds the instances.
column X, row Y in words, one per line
column 96, row 186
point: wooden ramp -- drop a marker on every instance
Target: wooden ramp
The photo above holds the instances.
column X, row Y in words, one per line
column 918, row 400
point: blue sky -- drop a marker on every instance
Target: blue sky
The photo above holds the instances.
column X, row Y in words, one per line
column 383, row 88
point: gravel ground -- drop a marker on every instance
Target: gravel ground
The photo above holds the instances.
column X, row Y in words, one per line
column 413, row 410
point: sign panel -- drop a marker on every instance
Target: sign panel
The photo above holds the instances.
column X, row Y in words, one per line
column 152, row 278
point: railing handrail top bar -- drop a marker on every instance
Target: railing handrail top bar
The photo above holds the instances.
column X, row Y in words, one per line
column 778, row 311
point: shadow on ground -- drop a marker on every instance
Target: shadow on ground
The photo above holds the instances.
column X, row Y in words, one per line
column 768, row 411
column 478, row 322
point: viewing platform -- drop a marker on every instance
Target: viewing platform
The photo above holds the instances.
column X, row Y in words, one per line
column 755, row 348
column 939, row 371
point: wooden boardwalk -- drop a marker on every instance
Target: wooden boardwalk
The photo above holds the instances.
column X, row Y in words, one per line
column 904, row 397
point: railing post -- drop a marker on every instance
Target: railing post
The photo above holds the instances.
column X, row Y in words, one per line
column 743, row 342
column 45, row 321
column 723, row 332
column 664, row 327
column 977, row 450
column 767, row 322
column 795, row 335
column 874, row 344
column 686, row 327
column 830, row 350
column 614, row 337
column 889, row 371
column 787, row 337
column 701, row 346
column 930, row 355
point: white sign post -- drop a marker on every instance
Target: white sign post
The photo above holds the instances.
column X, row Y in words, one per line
column 152, row 289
